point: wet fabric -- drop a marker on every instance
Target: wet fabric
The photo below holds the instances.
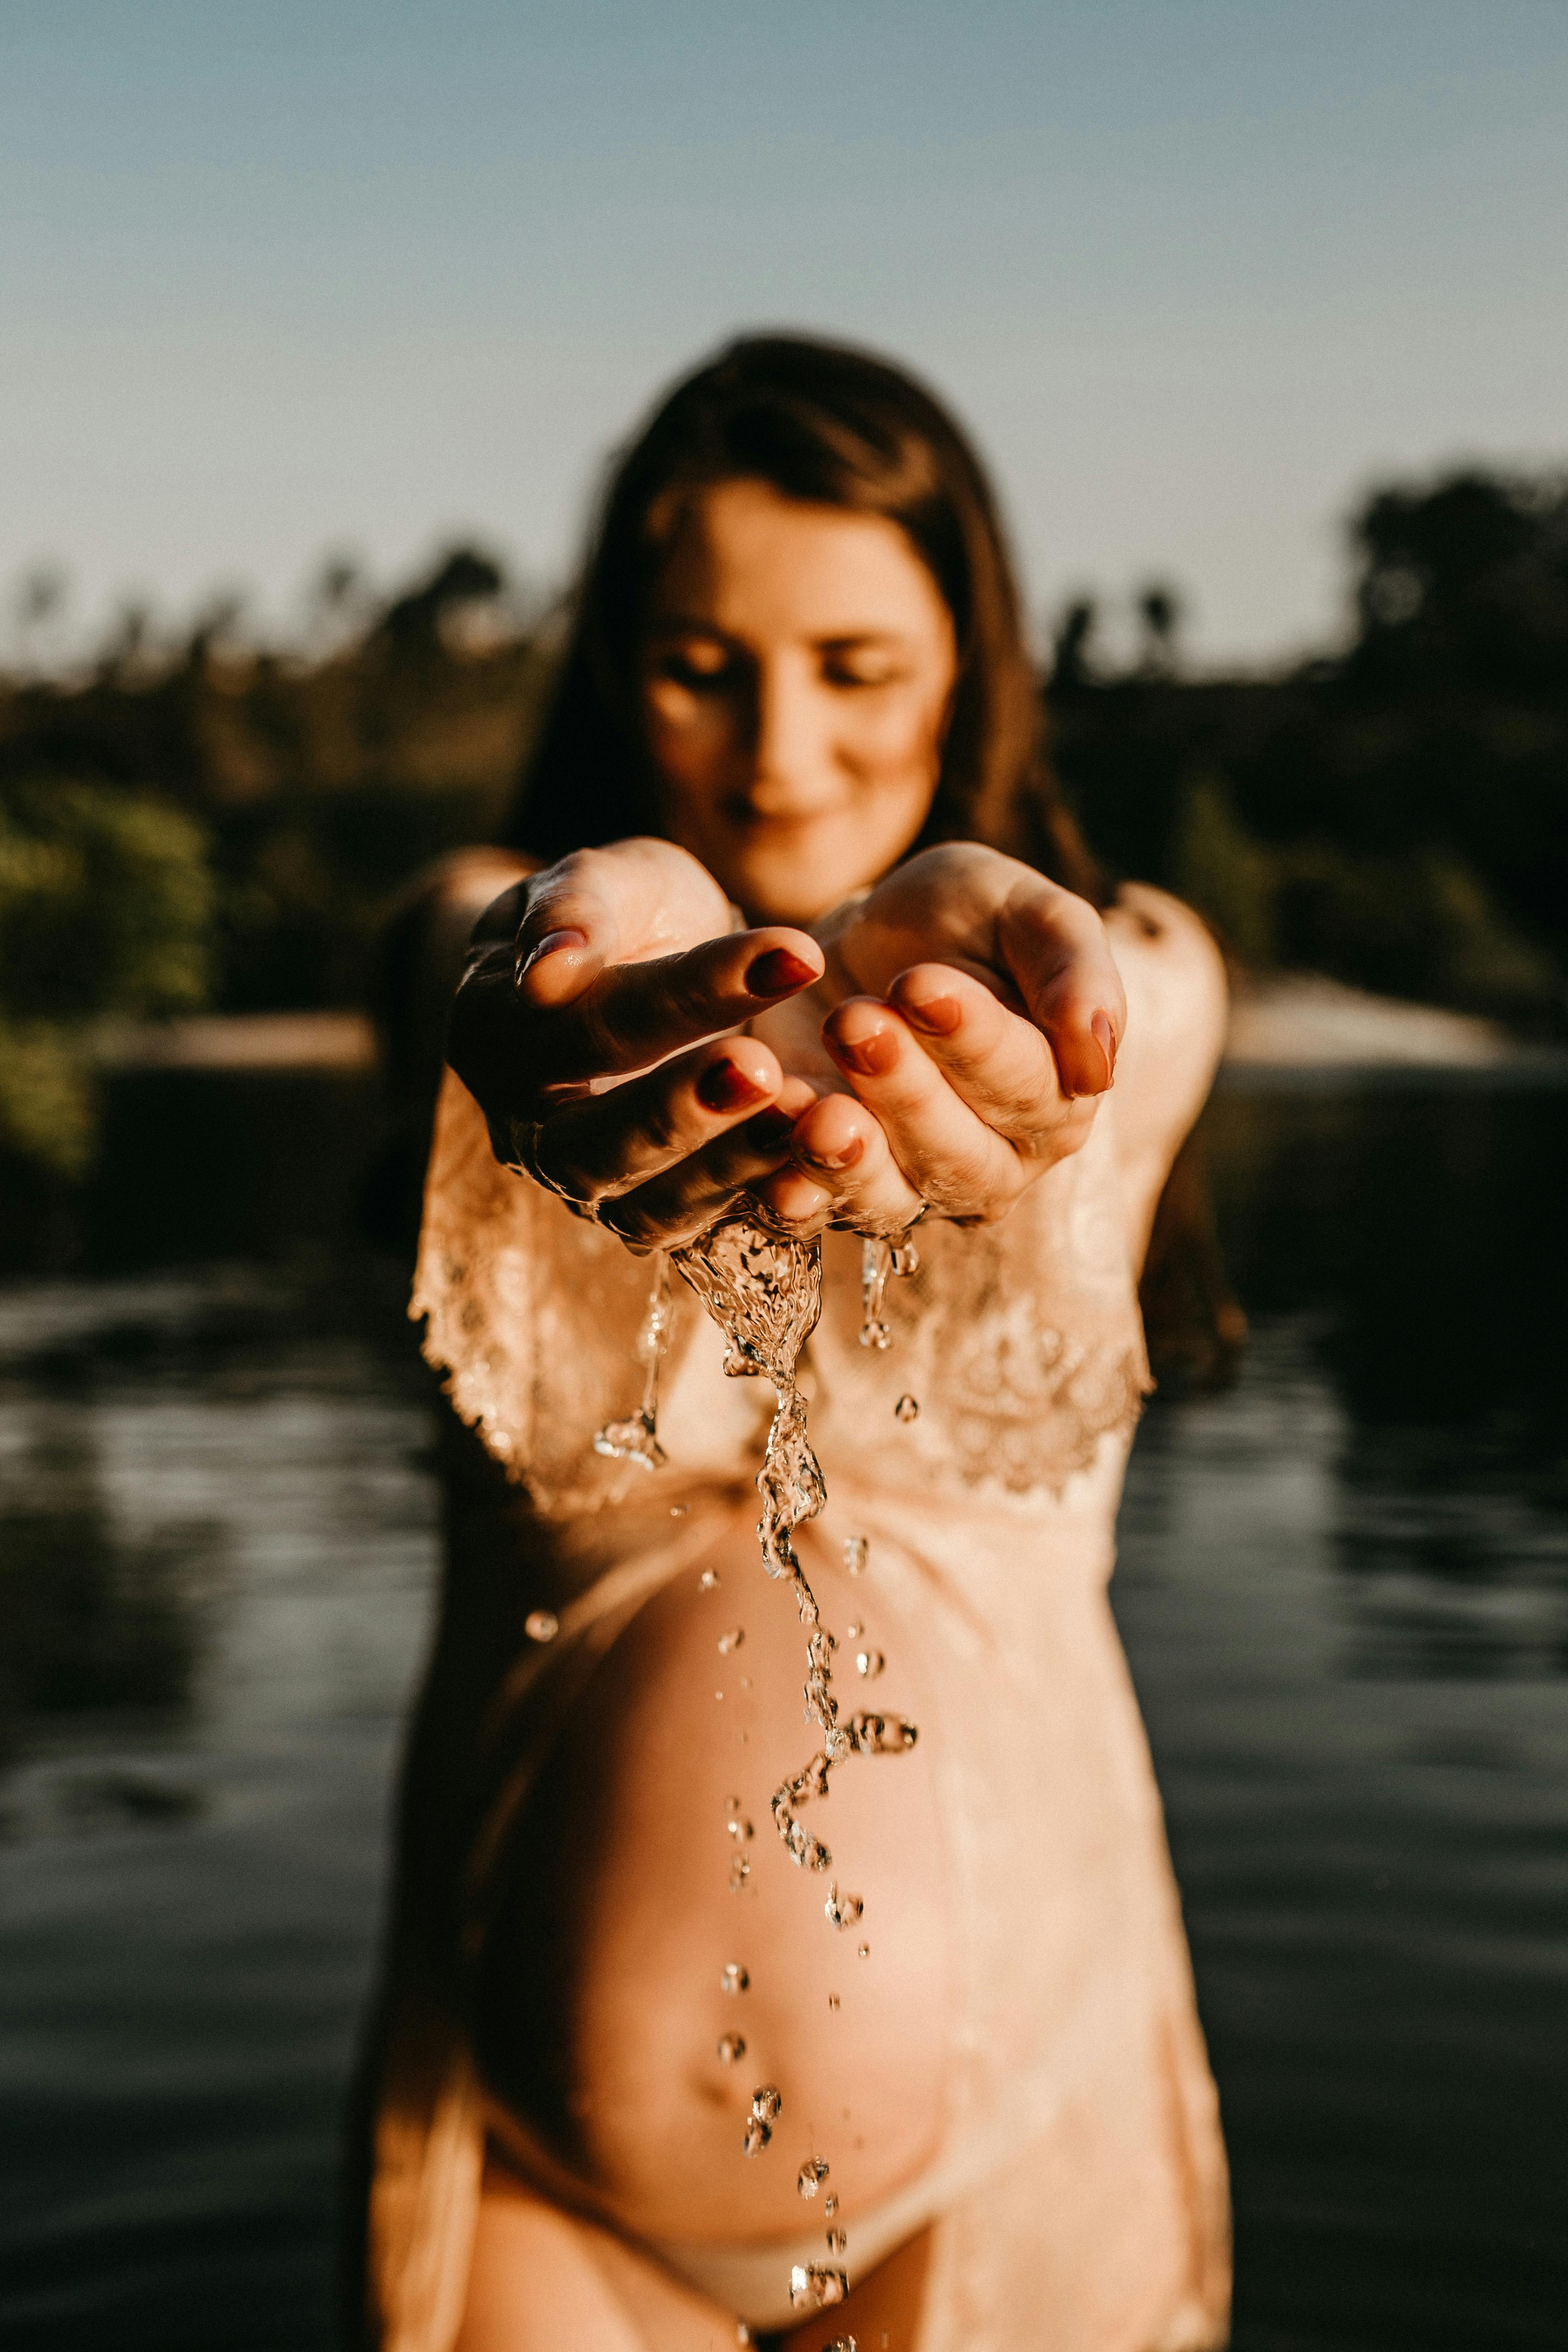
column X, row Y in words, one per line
column 1080, row 2200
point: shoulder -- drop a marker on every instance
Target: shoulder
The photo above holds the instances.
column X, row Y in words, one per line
column 1177, row 1005
column 1167, row 956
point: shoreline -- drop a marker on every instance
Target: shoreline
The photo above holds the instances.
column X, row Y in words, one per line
column 1301, row 1027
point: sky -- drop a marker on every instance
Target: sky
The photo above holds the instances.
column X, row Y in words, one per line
column 316, row 275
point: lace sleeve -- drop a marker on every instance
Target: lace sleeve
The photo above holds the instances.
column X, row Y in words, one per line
column 531, row 1313
column 1020, row 1343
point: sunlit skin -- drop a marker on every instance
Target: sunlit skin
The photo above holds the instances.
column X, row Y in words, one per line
column 795, row 684
column 881, row 1036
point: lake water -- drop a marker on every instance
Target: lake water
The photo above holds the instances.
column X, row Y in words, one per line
column 1344, row 1588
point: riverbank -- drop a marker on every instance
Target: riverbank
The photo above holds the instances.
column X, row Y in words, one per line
column 1299, row 1021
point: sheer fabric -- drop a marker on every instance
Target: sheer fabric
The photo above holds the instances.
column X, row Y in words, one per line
column 1080, row 2200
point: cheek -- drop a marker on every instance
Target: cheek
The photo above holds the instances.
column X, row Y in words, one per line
column 895, row 742
column 691, row 743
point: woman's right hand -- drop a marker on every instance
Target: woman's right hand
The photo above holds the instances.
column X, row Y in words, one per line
column 589, row 1026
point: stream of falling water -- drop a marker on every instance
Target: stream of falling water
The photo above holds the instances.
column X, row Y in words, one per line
column 764, row 1290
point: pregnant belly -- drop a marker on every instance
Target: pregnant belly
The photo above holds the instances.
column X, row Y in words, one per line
column 605, row 2020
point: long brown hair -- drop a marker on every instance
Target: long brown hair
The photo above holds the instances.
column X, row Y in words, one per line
column 833, row 426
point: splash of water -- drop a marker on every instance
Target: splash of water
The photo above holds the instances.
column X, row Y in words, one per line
column 636, row 1439
column 814, row 2286
column 764, row 1289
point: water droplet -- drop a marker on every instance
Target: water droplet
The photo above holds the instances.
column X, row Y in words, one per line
column 857, row 1550
column 718, row 1693
column 709, row 1580
column 731, row 1641
column 635, row 1439
column 739, row 1872
column 731, row 2047
column 540, row 1624
column 767, row 2104
column 742, row 2333
column 812, row 2174
column 882, row 1735
column 838, row 2241
column 756, row 2136
column 832, row 2001
column 814, row 2286
column 907, row 1408
column 842, row 1910
column 679, row 1510
column 862, row 1951
column 844, row 2343
column 831, row 2206
column 740, row 1829
column 735, row 1978
column 904, row 1258
column 869, row 1663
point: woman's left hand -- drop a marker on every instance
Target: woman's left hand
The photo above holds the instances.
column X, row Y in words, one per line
column 976, row 1014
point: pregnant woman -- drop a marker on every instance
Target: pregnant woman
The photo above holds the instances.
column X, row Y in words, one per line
column 793, row 921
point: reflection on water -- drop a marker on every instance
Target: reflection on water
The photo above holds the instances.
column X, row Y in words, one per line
column 1345, row 1591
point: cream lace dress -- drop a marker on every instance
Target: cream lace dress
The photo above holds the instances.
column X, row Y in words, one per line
column 1079, row 2199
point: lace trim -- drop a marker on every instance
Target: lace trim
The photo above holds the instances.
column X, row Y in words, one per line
column 1021, row 1341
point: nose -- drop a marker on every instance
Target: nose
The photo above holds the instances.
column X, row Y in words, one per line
column 792, row 767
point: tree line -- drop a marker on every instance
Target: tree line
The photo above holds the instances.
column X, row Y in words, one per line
column 207, row 823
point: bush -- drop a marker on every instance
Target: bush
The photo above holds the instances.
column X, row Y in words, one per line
column 106, row 909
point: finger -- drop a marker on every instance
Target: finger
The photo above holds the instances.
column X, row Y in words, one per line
column 602, row 1145
column 676, row 1207
column 843, row 1173
column 1054, row 948
column 614, row 905
column 950, row 1157
column 631, row 1015
column 998, row 1062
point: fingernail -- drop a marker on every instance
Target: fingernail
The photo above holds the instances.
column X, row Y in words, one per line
column 552, row 943
column 771, row 1129
column 938, row 1016
column 1104, row 1036
column 723, row 1086
column 869, row 1058
column 840, row 1159
column 776, row 972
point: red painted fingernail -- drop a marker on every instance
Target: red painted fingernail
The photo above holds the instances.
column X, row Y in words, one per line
column 869, row 1058
column 777, row 973
column 938, row 1016
column 1104, row 1036
column 770, row 1130
column 723, row 1086
column 840, row 1159
column 551, row 944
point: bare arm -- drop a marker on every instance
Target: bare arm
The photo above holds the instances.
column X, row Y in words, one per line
column 1176, row 1008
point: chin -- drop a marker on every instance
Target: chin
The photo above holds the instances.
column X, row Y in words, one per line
column 785, row 890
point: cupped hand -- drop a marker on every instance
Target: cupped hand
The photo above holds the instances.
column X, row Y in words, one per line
column 590, row 1027
column 978, row 1014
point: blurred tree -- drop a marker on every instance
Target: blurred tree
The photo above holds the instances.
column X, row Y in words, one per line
column 40, row 599
column 1159, row 616
column 106, row 907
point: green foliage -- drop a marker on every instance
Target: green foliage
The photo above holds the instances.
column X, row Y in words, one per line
column 1398, row 816
column 106, row 903
column 106, row 909
column 1223, row 870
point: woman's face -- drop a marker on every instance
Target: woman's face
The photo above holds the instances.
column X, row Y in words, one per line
column 794, row 680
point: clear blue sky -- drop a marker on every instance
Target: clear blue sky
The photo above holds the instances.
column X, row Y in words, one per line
column 305, row 274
